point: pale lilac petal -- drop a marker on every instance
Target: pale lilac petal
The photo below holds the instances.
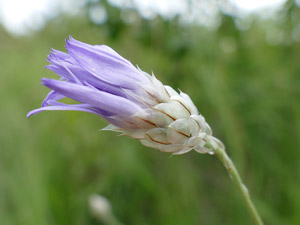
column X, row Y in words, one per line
column 62, row 72
column 80, row 107
column 51, row 108
column 104, row 49
column 61, row 65
column 52, row 96
column 105, row 65
column 101, row 112
column 59, row 55
column 69, row 71
column 98, row 99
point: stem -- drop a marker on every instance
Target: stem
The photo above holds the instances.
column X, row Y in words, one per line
column 235, row 176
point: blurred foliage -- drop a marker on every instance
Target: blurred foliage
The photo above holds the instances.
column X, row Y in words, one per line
column 244, row 81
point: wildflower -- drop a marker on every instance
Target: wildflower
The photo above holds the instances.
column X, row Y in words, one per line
column 134, row 103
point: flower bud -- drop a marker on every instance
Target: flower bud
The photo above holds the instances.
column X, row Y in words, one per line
column 134, row 103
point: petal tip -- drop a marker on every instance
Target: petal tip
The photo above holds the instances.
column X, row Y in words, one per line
column 71, row 38
column 29, row 114
column 67, row 43
column 46, row 81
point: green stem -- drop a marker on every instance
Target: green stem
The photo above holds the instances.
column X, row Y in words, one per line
column 234, row 174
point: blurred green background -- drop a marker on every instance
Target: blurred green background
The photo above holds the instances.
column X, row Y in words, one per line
column 243, row 75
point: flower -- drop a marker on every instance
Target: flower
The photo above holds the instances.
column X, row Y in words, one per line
column 134, row 103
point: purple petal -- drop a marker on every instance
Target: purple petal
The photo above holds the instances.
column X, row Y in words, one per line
column 116, row 122
column 103, row 48
column 73, row 108
column 71, row 72
column 106, row 64
column 52, row 96
column 104, row 101
column 57, row 55
column 63, row 66
column 61, row 71
column 100, row 112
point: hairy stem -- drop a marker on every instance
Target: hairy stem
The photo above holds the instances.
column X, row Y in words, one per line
column 235, row 177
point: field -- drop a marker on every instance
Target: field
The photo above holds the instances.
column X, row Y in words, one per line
column 245, row 82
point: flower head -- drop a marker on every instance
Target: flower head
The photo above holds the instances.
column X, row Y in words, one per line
column 134, row 103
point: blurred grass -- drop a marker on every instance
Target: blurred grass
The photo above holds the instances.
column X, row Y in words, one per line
column 247, row 89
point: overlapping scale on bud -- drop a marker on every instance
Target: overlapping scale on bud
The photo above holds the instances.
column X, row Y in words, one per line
column 169, row 121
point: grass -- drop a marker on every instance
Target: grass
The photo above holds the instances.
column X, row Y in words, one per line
column 52, row 163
